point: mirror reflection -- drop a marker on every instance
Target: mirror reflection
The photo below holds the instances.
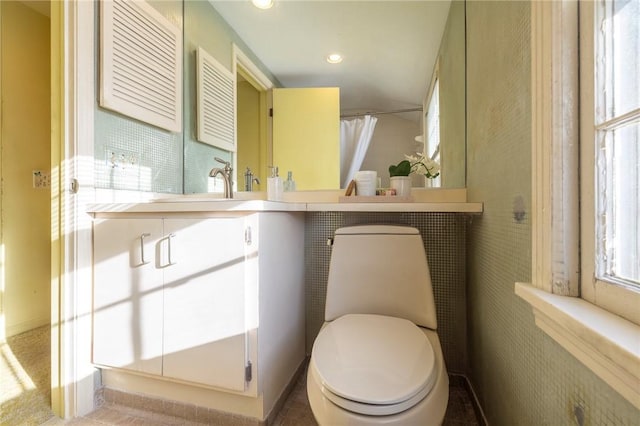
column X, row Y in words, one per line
column 436, row 128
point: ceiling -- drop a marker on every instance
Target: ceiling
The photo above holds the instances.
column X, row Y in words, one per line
column 389, row 47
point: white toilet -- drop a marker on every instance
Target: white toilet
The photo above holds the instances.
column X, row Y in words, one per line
column 377, row 359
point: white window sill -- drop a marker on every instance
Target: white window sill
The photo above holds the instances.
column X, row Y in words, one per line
column 605, row 343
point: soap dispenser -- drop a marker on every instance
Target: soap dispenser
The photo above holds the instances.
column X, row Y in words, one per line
column 274, row 186
column 289, row 184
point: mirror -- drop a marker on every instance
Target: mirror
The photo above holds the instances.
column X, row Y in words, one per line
column 447, row 143
column 395, row 134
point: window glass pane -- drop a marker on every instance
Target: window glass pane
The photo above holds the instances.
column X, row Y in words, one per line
column 619, row 195
column 617, row 95
column 432, row 148
column 619, row 58
column 433, row 122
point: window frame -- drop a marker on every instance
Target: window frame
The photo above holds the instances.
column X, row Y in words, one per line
column 555, row 142
column 435, row 84
column 604, row 342
column 618, row 299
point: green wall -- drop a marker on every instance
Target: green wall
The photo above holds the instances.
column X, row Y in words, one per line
column 522, row 377
column 451, row 59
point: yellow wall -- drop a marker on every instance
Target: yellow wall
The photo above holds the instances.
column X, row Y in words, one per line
column 249, row 150
column 25, row 139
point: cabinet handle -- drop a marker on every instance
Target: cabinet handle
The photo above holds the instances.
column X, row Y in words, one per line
column 142, row 237
column 169, row 238
column 247, row 235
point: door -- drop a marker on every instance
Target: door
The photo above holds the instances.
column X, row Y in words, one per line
column 127, row 295
column 204, row 319
column 306, row 136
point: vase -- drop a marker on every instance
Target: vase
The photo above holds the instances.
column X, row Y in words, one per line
column 402, row 185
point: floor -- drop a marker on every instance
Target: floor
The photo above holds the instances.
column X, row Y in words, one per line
column 296, row 412
column 25, row 366
column 31, row 352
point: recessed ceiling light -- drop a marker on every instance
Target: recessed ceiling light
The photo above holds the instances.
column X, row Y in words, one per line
column 334, row 58
column 262, row 4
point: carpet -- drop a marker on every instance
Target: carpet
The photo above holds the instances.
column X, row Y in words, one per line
column 25, row 378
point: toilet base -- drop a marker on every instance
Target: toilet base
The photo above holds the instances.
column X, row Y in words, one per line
column 428, row 412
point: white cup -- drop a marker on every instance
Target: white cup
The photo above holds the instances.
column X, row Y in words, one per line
column 366, row 182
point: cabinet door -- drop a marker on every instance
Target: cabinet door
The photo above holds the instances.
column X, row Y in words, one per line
column 204, row 319
column 306, row 135
column 127, row 295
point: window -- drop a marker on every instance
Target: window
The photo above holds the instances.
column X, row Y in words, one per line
column 598, row 261
column 610, row 141
column 432, row 127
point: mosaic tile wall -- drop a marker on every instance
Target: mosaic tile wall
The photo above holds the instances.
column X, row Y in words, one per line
column 521, row 376
column 444, row 240
column 132, row 155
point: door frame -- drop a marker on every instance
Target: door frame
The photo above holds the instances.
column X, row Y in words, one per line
column 2, row 259
column 72, row 108
column 263, row 85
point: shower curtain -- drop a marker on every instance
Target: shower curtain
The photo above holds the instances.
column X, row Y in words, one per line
column 355, row 136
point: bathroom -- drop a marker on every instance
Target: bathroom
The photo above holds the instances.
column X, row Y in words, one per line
column 520, row 375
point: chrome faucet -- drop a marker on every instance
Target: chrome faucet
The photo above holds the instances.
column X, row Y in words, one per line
column 226, row 176
column 249, row 180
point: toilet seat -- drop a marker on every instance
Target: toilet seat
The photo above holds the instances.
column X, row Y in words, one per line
column 373, row 364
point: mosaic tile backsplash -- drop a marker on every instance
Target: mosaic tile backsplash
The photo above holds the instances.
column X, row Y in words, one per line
column 443, row 236
column 130, row 155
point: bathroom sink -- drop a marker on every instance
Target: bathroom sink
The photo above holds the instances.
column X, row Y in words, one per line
column 185, row 199
column 209, row 197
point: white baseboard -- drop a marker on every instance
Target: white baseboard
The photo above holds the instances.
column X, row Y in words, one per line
column 12, row 330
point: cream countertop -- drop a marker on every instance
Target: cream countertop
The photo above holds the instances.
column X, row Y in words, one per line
column 429, row 200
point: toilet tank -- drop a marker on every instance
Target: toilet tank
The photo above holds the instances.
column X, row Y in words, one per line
column 380, row 269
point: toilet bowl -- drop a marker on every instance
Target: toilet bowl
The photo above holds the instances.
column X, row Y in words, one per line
column 377, row 358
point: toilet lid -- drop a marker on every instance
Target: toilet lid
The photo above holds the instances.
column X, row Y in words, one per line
column 374, row 359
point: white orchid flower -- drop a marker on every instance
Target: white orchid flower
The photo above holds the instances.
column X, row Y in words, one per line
column 423, row 165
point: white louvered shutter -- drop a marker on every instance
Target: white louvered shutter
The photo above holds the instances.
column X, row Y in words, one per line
column 216, row 106
column 140, row 64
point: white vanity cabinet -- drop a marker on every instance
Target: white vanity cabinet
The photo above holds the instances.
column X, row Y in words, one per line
column 197, row 303
column 170, row 298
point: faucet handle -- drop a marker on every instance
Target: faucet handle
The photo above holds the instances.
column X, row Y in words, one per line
column 226, row 163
